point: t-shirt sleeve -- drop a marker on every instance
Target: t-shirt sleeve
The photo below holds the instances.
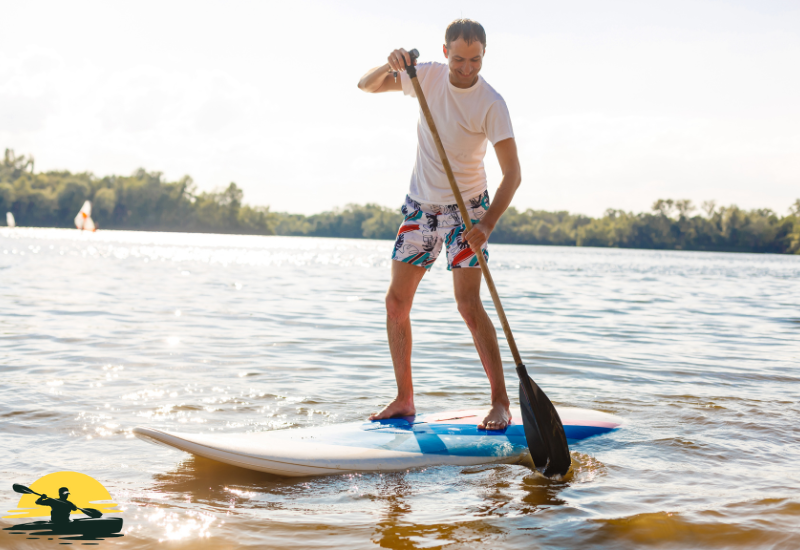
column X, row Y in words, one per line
column 405, row 80
column 498, row 123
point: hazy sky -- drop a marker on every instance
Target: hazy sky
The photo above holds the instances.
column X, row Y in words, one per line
column 614, row 104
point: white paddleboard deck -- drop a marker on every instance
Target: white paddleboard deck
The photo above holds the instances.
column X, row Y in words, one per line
column 450, row 438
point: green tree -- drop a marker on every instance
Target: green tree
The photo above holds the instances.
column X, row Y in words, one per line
column 383, row 224
column 14, row 166
column 38, row 208
column 146, row 201
column 70, row 196
column 103, row 205
column 6, row 198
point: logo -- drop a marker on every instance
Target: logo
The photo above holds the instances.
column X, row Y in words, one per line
column 76, row 505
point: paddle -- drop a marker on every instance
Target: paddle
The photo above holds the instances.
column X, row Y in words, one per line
column 544, row 431
column 91, row 512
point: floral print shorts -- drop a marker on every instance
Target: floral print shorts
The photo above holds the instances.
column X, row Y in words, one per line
column 427, row 227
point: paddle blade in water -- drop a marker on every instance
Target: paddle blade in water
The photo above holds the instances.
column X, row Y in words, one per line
column 544, row 431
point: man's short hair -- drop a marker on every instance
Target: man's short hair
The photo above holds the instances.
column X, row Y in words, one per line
column 467, row 29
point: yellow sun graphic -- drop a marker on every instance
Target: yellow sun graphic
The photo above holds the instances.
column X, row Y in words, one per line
column 85, row 492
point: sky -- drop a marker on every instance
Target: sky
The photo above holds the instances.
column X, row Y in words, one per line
column 614, row 104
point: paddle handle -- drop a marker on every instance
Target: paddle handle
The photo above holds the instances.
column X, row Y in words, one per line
column 423, row 103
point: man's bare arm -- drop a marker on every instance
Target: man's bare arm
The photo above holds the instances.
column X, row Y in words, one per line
column 512, row 177
column 380, row 79
column 508, row 159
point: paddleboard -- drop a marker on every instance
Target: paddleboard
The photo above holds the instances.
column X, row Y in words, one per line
column 445, row 438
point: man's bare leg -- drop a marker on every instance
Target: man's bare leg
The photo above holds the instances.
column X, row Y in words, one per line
column 399, row 297
column 467, row 286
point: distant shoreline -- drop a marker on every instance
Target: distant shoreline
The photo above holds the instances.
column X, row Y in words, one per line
column 143, row 201
column 107, row 231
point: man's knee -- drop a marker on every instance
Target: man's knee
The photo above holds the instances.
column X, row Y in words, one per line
column 398, row 308
column 471, row 310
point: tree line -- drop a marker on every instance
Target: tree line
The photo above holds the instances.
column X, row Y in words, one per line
column 145, row 201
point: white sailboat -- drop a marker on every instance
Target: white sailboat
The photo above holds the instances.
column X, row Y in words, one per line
column 10, row 222
column 84, row 220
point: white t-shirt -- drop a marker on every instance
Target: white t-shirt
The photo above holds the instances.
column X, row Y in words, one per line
column 465, row 119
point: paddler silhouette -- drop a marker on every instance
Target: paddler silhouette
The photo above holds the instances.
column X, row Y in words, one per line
column 60, row 507
column 94, row 527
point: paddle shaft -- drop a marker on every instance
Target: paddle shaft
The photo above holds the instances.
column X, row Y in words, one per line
column 465, row 216
column 22, row 489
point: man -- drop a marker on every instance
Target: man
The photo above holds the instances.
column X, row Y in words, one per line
column 60, row 508
column 467, row 113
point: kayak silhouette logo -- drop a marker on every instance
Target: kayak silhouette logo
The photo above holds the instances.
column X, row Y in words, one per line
column 74, row 503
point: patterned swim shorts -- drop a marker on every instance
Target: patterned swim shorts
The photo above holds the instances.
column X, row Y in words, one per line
column 427, row 226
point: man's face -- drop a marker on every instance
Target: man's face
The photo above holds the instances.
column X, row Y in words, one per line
column 465, row 61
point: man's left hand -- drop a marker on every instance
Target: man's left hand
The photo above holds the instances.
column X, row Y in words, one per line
column 477, row 236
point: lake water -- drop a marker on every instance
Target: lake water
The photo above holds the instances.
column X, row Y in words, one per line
column 699, row 352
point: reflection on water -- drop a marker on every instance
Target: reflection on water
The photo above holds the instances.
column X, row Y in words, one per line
column 699, row 352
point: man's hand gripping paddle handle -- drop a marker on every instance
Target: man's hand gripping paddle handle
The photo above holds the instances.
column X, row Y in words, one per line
column 544, row 431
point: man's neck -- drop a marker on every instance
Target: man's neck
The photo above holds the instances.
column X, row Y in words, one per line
column 462, row 86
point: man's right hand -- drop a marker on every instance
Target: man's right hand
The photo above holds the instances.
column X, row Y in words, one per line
column 399, row 59
column 380, row 79
column 44, row 495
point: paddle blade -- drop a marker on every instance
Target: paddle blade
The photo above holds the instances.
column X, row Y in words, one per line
column 536, row 446
column 91, row 512
column 544, row 431
column 22, row 489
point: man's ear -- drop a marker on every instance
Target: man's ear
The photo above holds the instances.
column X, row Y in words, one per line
column 444, row 50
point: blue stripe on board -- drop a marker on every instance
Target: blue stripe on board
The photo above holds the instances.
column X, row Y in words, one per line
column 405, row 425
column 584, row 432
column 402, row 434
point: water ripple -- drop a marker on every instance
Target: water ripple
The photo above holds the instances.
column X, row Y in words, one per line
column 698, row 351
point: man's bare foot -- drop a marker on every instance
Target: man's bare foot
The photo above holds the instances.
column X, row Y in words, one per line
column 395, row 409
column 498, row 418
